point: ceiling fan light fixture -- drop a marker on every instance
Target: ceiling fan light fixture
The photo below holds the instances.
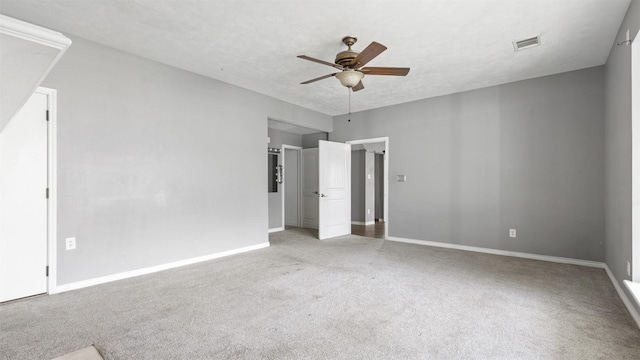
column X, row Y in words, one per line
column 350, row 77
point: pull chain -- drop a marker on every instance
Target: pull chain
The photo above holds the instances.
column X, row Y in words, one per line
column 349, row 91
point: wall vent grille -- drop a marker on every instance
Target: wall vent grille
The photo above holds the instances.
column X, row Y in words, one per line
column 526, row 43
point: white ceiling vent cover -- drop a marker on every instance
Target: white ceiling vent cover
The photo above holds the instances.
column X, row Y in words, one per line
column 526, row 43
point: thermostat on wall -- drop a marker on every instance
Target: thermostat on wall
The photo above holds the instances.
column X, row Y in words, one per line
column 402, row 178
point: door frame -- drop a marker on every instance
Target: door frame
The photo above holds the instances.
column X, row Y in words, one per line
column 52, row 157
column 52, row 184
column 284, row 184
column 386, row 176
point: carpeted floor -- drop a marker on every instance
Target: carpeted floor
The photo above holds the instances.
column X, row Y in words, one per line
column 348, row 298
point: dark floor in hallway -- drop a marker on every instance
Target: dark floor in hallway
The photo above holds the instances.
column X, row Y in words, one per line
column 374, row 231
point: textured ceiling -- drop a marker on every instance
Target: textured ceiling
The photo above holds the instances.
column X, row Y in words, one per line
column 451, row 46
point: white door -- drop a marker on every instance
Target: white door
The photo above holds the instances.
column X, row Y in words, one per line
column 309, row 188
column 334, row 160
column 23, row 202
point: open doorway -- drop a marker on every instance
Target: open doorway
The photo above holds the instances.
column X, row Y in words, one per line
column 288, row 145
column 369, row 175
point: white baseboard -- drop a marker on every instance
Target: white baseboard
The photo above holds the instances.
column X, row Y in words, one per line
column 623, row 296
column 363, row 223
column 634, row 289
column 276, row 230
column 556, row 259
column 149, row 270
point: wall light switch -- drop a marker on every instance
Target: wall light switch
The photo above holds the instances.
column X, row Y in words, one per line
column 512, row 233
column 402, row 178
column 70, row 243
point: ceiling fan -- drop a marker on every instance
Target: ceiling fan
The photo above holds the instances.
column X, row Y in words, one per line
column 351, row 64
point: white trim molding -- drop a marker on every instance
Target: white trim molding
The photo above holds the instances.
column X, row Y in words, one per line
column 33, row 33
column 556, row 259
column 52, row 184
column 153, row 269
column 634, row 256
column 276, row 229
column 627, row 303
column 634, row 289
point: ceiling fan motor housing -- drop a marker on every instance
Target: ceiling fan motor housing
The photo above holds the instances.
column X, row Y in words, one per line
column 344, row 57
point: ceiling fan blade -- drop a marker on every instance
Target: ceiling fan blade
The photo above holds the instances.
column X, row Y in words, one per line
column 320, row 61
column 385, row 71
column 374, row 49
column 318, row 78
column 358, row 87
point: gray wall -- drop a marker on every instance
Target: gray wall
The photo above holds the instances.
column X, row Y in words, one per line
column 527, row 155
column 357, row 185
column 150, row 169
column 279, row 137
column 275, row 209
column 618, row 150
column 311, row 140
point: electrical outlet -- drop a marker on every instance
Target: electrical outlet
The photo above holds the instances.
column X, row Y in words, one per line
column 70, row 243
column 368, row 211
column 628, row 268
column 512, row 233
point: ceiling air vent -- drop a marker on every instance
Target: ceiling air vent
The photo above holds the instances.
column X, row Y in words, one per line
column 526, row 43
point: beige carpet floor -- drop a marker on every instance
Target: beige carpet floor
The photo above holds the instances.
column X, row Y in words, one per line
column 348, row 298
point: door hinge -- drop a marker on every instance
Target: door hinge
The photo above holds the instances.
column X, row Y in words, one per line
column 47, row 115
column 47, row 193
column 47, row 270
